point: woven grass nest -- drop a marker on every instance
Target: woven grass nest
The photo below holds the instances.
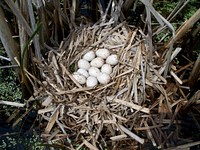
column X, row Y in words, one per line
column 122, row 110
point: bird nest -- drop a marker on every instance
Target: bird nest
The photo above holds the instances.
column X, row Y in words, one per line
column 131, row 107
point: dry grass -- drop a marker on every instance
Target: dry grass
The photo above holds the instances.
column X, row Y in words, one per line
column 125, row 109
column 138, row 105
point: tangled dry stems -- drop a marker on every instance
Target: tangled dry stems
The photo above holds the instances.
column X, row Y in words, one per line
column 126, row 108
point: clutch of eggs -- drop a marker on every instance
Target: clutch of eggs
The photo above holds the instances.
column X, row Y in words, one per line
column 95, row 67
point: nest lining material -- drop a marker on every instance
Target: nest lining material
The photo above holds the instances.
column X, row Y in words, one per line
column 117, row 111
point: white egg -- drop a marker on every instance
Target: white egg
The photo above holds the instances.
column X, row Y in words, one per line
column 91, row 81
column 97, row 62
column 76, row 73
column 79, row 78
column 89, row 56
column 112, row 59
column 93, row 71
column 103, row 78
column 103, row 53
column 106, row 68
column 83, row 72
column 84, row 64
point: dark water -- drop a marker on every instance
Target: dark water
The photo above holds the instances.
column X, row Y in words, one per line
column 22, row 137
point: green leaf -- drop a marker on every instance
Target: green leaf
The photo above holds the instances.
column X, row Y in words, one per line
column 25, row 49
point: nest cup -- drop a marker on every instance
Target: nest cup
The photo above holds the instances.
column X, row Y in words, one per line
column 116, row 43
column 105, row 111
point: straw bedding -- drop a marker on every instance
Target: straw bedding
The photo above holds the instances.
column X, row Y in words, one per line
column 133, row 106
